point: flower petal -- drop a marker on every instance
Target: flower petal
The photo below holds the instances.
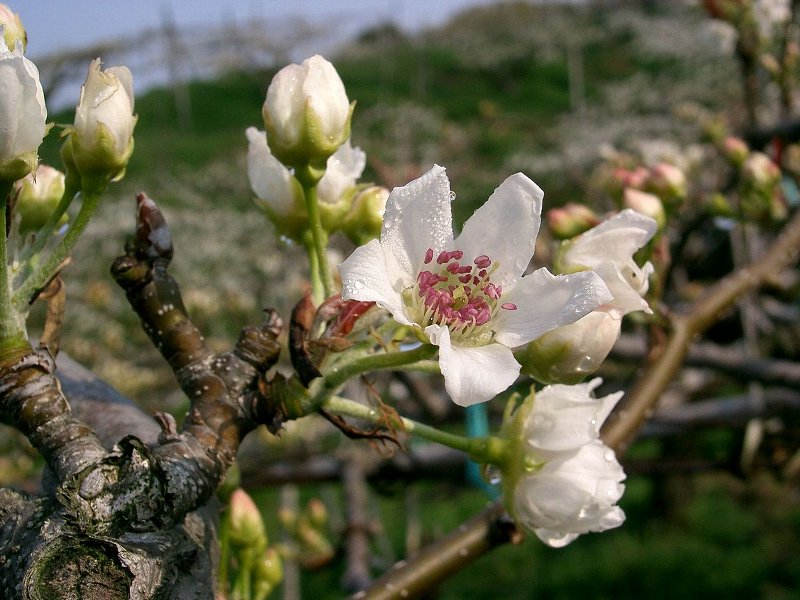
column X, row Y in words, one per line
column 417, row 217
column 473, row 375
column 271, row 182
column 365, row 277
column 505, row 229
column 545, row 301
column 565, row 417
column 343, row 168
column 614, row 240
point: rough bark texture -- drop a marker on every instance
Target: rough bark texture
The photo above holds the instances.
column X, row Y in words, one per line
column 127, row 508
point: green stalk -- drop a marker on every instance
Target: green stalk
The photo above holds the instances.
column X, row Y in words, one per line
column 46, row 270
column 488, row 449
column 10, row 332
column 72, row 185
column 319, row 237
column 317, row 288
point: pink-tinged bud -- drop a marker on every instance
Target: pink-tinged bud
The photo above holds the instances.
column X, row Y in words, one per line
column 646, row 204
column 735, row 150
column 246, row 527
column 39, row 194
column 760, row 170
column 570, row 220
column 13, row 31
column 668, row 182
column 635, row 178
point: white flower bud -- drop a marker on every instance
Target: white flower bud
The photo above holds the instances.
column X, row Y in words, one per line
column 39, row 193
column 570, row 353
column 306, row 113
column 647, row 204
column 23, row 114
column 102, row 137
column 13, row 31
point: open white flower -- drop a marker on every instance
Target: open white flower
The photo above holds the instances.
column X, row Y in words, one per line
column 566, row 481
column 608, row 250
column 23, row 114
column 468, row 295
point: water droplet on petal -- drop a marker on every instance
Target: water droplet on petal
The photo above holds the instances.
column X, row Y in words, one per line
column 492, row 474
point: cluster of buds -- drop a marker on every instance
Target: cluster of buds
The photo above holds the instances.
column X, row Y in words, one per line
column 760, row 196
column 653, row 191
column 307, row 531
column 307, row 121
column 256, row 568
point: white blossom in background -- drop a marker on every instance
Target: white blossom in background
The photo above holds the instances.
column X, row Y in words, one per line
column 467, row 295
column 23, row 114
column 306, row 112
column 564, row 481
column 102, row 136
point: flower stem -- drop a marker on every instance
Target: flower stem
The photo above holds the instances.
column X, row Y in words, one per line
column 319, row 238
column 487, row 449
column 339, row 375
column 72, row 185
column 317, row 288
column 46, row 270
column 10, row 333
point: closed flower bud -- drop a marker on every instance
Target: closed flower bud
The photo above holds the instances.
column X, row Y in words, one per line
column 570, row 220
column 13, row 31
column 364, row 220
column 735, row 150
column 307, row 113
column 102, row 136
column 23, row 114
column 39, row 194
column 668, row 182
column 267, row 573
column 570, row 353
column 646, row 204
column 246, row 527
column 760, row 171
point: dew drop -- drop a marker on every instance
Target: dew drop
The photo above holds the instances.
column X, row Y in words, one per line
column 492, row 474
column 609, row 455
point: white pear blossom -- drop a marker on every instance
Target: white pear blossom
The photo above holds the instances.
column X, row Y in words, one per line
column 608, row 250
column 467, row 295
column 306, row 112
column 566, row 481
column 102, row 136
column 23, row 114
column 280, row 195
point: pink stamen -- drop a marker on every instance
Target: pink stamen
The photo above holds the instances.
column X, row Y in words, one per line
column 509, row 306
column 492, row 290
column 465, row 278
column 482, row 273
column 482, row 261
column 429, row 256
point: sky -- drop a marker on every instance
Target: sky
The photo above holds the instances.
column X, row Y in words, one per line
column 55, row 25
